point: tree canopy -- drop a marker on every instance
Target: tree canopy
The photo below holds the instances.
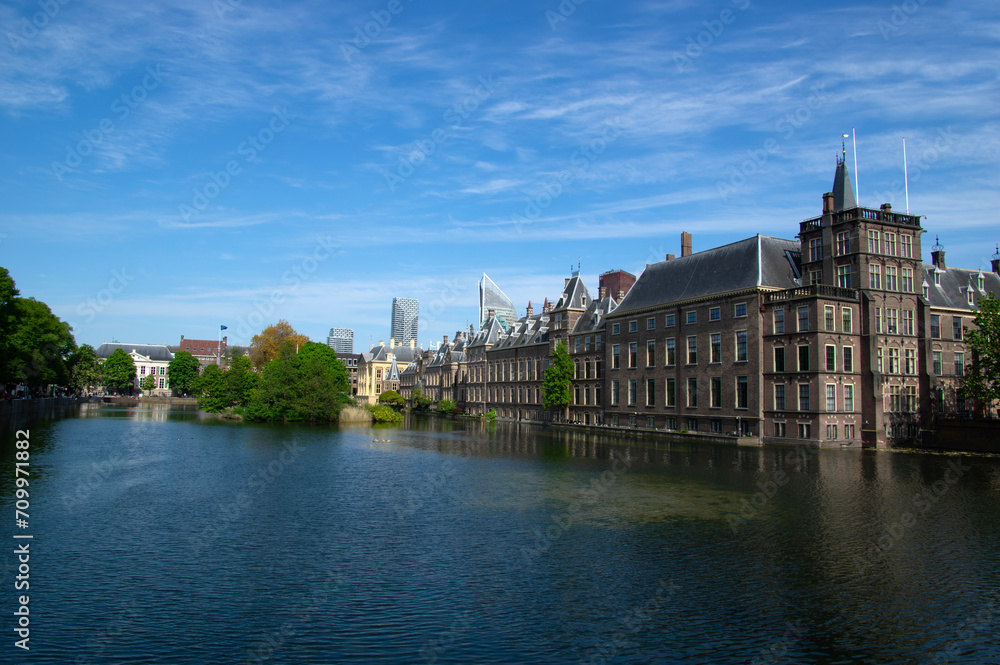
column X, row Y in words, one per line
column 265, row 346
column 182, row 371
column 86, row 371
column 38, row 344
column 558, row 377
column 148, row 383
column 309, row 385
column 119, row 371
column 392, row 398
column 981, row 382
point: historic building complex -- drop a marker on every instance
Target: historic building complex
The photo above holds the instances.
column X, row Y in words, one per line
column 841, row 336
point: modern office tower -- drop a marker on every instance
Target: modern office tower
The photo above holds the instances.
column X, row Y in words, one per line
column 405, row 317
column 341, row 340
column 491, row 297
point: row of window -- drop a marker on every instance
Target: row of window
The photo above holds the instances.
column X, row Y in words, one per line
column 876, row 245
column 805, row 399
column 893, row 357
column 956, row 327
column 805, row 430
column 152, row 370
column 670, row 351
column 583, row 343
column 803, row 358
column 714, row 314
column 891, row 278
column 715, row 397
column 829, row 319
column 959, row 359
column 518, row 370
column 894, row 321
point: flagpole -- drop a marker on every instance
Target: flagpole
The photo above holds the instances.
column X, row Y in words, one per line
column 218, row 350
column 857, row 186
column 906, row 182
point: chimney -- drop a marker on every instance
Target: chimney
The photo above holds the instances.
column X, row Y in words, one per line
column 828, row 203
column 182, row 338
column 621, row 294
column 445, row 340
column 937, row 255
column 601, row 292
column 886, row 207
column 392, row 342
column 671, row 257
column 996, row 261
column 413, row 343
column 490, row 313
column 530, row 311
column 685, row 244
column 381, row 342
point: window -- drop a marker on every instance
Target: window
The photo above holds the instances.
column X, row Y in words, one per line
column 874, row 276
column 910, row 398
column 956, row 328
column 846, row 316
column 671, row 392
column 910, row 360
column 162, row 384
column 615, row 357
column 614, row 392
column 843, row 243
column 891, row 320
column 692, row 350
column 844, row 277
column 650, row 392
column 714, row 314
column 779, row 397
column 597, row 395
column 805, row 430
column 616, row 328
column 815, row 276
column 890, row 278
column 815, row 249
column 779, row 359
column 716, row 392
column 878, row 358
column 779, row 321
column 670, row 320
column 959, row 364
column 650, row 324
column 633, row 354
column 831, row 358
column 633, row 326
column 671, row 352
column 906, row 246
column 576, row 395
column 937, row 277
column 650, row 352
column 586, row 395
column 830, row 316
column 692, row 317
column 780, row 429
column 935, row 326
column 692, row 394
column 849, row 398
column 803, row 319
column 716, row 348
column 849, row 431
column 873, row 243
column 803, row 358
column 936, row 362
column 742, row 391
column 692, row 424
column 576, row 371
column 142, row 371
column 163, row 371
column 890, row 244
column 894, row 360
column 831, row 431
column 878, row 319
column 848, row 359
column 597, row 343
column 716, row 425
column 803, row 397
column 741, row 310
column 907, row 285
column 741, row 346
column 631, row 392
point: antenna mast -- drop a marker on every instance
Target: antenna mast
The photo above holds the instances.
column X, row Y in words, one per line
column 857, row 187
column 906, row 182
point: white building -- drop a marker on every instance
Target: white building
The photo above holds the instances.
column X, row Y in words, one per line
column 149, row 359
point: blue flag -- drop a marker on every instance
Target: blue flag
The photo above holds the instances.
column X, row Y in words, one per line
column 222, row 328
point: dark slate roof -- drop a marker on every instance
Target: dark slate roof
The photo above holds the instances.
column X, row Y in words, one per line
column 574, row 295
column 843, row 190
column 953, row 293
column 402, row 353
column 488, row 334
column 760, row 261
column 526, row 330
column 151, row 351
column 411, row 368
column 393, row 373
column 593, row 319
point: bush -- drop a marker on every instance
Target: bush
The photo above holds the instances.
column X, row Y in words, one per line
column 446, row 406
column 392, row 398
column 490, row 415
column 383, row 414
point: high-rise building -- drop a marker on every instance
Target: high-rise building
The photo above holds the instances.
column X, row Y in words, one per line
column 341, row 340
column 492, row 298
column 405, row 320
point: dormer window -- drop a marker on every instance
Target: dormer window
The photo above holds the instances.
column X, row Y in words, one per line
column 937, row 278
column 982, row 282
column 970, row 296
column 927, row 289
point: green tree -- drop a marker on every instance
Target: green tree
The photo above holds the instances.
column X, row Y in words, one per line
column 420, row 401
column 8, row 294
column 391, row 398
column 212, row 391
column 241, row 381
column 38, row 345
column 558, row 377
column 85, row 369
column 446, row 406
column 309, row 385
column 981, row 382
column 148, row 383
column 182, row 371
column 265, row 347
column 119, row 371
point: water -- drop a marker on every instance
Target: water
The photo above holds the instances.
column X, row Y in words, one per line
column 163, row 538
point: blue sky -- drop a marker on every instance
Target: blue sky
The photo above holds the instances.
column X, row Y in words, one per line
column 169, row 167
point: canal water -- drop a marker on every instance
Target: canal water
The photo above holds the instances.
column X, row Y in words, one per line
column 163, row 537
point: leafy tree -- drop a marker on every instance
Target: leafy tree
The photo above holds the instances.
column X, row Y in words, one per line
column 981, row 382
column 119, row 371
column 212, row 391
column 182, row 371
column 148, row 383
column 556, row 386
column 85, row 369
column 265, row 346
column 392, row 398
column 383, row 414
column 420, row 401
column 446, row 406
column 241, row 381
column 38, row 344
column 8, row 294
column 309, row 385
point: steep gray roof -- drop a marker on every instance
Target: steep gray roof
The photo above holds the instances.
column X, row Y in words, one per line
column 574, row 296
column 760, row 261
column 953, row 291
column 526, row 330
column 393, row 373
column 593, row 319
column 843, row 190
column 151, row 351
column 488, row 334
column 402, row 353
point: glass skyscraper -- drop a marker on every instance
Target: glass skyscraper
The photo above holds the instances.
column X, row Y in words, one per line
column 405, row 317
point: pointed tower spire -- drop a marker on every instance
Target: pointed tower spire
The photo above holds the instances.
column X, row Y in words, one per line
column 843, row 191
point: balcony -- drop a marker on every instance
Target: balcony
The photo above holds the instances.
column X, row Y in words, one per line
column 867, row 214
column 811, row 291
